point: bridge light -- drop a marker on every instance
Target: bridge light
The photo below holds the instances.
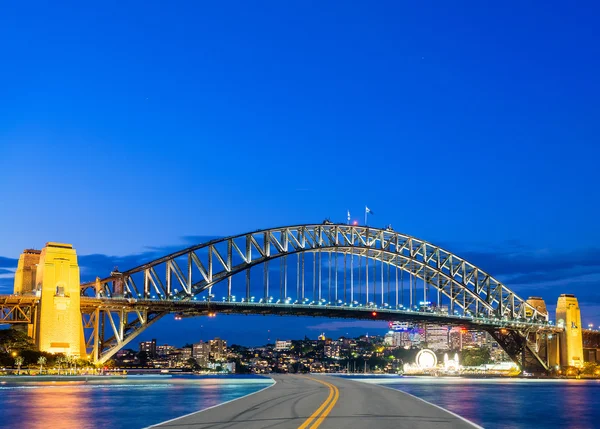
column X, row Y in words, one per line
column 374, row 314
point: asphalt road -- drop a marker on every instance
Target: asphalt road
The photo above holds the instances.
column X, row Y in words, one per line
column 308, row 402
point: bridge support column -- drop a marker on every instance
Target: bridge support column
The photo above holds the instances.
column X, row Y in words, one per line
column 568, row 316
column 553, row 349
column 59, row 323
column 25, row 284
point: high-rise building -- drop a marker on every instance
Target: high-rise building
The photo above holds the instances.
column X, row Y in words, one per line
column 149, row 347
column 218, row 349
column 201, row 352
column 436, row 337
column 397, row 339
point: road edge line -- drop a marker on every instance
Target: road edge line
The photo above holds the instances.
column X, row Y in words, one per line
column 212, row 406
column 475, row 425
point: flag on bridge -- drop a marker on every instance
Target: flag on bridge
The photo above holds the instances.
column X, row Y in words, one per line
column 367, row 211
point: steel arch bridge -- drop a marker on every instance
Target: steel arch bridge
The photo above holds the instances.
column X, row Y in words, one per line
column 117, row 308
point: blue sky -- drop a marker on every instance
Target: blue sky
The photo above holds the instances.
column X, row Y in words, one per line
column 129, row 128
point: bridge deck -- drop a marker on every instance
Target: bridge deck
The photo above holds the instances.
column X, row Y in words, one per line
column 203, row 308
column 332, row 402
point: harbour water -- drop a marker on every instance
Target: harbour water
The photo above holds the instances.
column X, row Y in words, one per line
column 138, row 402
column 509, row 403
column 134, row 402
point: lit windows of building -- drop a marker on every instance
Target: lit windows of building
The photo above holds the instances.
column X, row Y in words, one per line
column 164, row 350
column 436, row 337
column 218, row 349
column 283, row 345
column 149, row 347
column 332, row 349
column 397, row 339
column 201, row 352
column 185, row 353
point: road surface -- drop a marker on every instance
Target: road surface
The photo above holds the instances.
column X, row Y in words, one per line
column 315, row 401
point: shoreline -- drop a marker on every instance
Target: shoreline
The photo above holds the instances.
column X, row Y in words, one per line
column 112, row 377
column 54, row 378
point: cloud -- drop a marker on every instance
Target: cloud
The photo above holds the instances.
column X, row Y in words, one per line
column 534, row 265
column 8, row 262
column 341, row 326
column 543, row 272
column 101, row 265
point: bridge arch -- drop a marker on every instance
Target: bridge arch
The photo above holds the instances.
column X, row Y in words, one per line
column 190, row 272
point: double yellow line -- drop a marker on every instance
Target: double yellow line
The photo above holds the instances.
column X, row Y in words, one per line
column 323, row 411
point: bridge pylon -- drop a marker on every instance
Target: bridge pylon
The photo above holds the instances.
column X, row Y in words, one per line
column 568, row 316
column 53, row 276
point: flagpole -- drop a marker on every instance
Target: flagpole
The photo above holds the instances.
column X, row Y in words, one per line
column 366, row 215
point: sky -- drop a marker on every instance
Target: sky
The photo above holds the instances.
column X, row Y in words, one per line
column 132, row 128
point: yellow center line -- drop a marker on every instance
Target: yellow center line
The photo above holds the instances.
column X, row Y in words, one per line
column 331, row 400
column 322, row 417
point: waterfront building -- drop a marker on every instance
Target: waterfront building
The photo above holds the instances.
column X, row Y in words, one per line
column 218, row 349
column 185, row 353
column 201, row 352
column 149, row 347
column 164, row 350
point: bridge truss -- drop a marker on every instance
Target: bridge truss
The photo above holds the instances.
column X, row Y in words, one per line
column 332, row 265
column 18, row 309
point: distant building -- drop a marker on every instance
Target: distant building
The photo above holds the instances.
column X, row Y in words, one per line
column 460, row 338
column 436, row 337
column 332, row 349
column 185, row 353
column 283, row 344
column 397, row 339
column 164, row 350
column 201, row 352
column 481, row 339
column 417, row 337
column 218, row 349
column 149, row 347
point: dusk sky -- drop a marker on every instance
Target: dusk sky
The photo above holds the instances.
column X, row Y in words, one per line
column 131, row 130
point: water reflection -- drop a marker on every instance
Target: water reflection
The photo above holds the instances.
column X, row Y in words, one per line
column 513, row 403
column 116, row 403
